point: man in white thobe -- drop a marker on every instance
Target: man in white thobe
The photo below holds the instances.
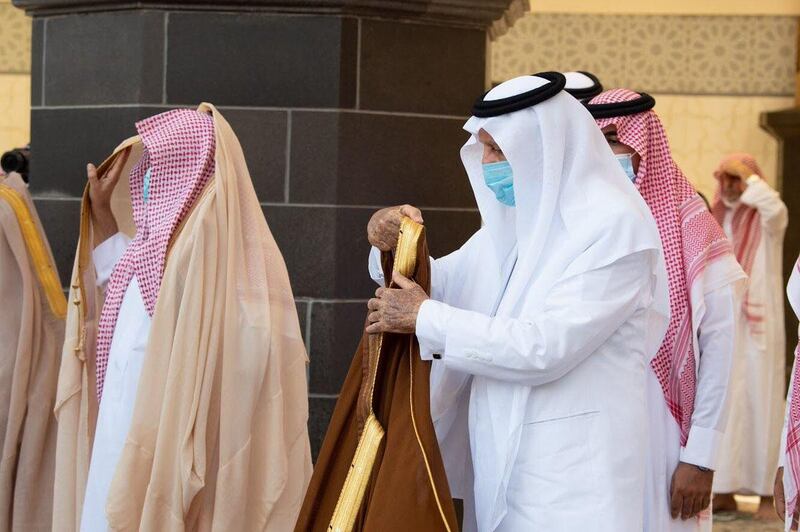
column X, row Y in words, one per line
column 540, row 326
column 130, row 330
column 754, row 218
column 690, row 374
column 126, row 355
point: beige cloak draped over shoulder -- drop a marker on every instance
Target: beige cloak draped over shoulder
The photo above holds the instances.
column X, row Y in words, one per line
column 219, row 437
column 31, row 336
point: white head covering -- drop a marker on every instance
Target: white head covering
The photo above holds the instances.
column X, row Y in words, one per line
column 578, row 80
column 583, row 85
column 575, row 211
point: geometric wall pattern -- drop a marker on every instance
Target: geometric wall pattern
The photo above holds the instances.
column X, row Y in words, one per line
column 15, row 40
column 665, row 54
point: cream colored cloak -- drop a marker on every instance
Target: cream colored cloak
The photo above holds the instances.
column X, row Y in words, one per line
column 31, row 336
column 219, row 439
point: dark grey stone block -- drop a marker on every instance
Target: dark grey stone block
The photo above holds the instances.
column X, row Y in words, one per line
column 326, row 248
column 61, row 222
column 319, row 416
column 105, row 58
column 473, row 13
column 262, row 135
column 402, row 67
column 64, row 140
column 446, row 231
column 336, row 329
column 37, row 48
column 266, row 60
column 374, row 159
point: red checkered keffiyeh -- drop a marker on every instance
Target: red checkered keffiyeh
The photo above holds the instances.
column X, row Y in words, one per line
column 691, row 239
column 746, row 229
column 179, row 148
column 791, row 472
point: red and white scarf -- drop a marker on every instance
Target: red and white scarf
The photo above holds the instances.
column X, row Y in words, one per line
column 179, row 149
column 746, row 229
column 791, row 460
column 691, row 239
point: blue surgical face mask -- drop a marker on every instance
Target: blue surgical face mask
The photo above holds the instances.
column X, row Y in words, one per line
column 626, row 161
column 500, row 180
column 146, row 186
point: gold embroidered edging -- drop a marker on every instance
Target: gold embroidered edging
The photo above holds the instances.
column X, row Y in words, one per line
column 421, row 448
column 48, row 278
column 405, row 257
column 406, row 263
column 355, row 485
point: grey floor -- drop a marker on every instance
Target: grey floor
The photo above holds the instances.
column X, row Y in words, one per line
column 743, row 521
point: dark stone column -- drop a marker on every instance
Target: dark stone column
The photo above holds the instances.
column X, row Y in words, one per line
column 342, row 106
column 785, row 126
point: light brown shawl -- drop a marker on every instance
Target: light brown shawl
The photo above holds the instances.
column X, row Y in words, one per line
column 219, row 439
column 31, row 336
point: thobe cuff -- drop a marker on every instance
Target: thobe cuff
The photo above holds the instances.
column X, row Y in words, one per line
column 375, row 266
column 432, row 321
column 756, row 190
column 106, row 255
column 702, row 447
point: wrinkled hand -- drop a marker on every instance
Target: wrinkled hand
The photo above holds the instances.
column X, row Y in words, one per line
column 690, row 492
column 100, row 191
column 384, row 226
column 780, row 500
column 735, row 167
column 395, row 310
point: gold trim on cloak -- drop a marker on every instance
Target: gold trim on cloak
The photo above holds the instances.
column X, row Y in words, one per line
column 45, row 272
column 355, row 485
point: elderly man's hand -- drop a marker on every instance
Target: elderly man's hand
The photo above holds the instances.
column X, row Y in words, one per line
column 384, row 227
column 690, row 492
column 100, row 191
column 395, row 310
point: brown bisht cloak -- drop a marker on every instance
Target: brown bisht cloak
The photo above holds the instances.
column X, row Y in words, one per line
column 219, row 437
column 379, row 468
column 31, row 336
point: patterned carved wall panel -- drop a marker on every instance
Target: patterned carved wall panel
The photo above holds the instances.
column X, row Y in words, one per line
column 734, row 55
column 15, row 40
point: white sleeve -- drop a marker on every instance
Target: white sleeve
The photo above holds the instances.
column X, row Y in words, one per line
column 375, row 267
column 716, row 336
column 768, row 203
column 579, row 315
column 106, row 255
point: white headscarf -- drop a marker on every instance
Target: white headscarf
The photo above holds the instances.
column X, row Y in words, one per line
column 582, row 85
column 578, row 80
column 576, row 211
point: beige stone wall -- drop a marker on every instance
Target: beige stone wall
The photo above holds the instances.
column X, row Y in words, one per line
column 15, row 66
column 701, row 128
column 670, row 7
column 712, row 75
